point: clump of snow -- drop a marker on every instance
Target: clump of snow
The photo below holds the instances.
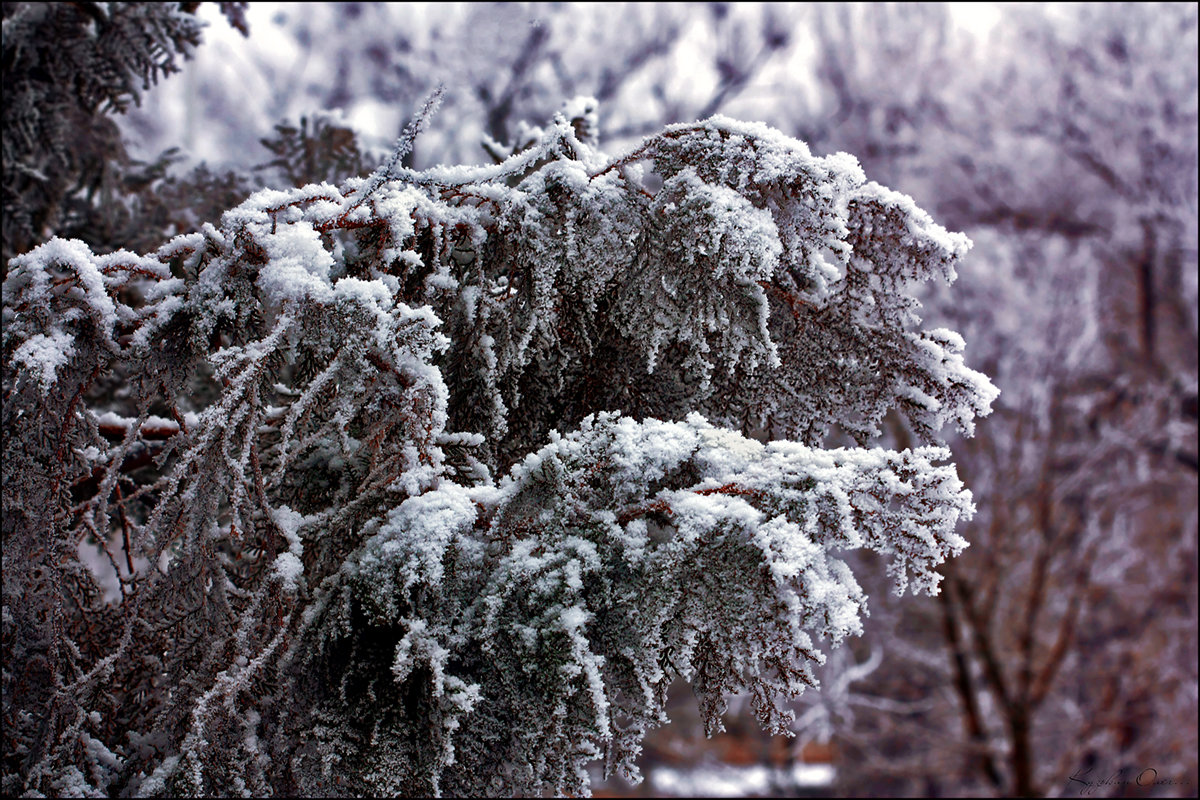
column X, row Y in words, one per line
column 288, row 565
column 45, row 354
column 289, row 568
column 299, row 265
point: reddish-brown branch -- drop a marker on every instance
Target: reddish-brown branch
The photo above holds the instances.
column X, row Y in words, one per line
column 124, row 527
column 1066, row 633
column 964, row 685
column 302, row 201
column 347, row 225
column 176, row 415
column 483, row 517
column 131, row 268
column 794, row 303
column 641, row 152
column 1026, row 636
column 980, row 629
column 640, row 511
column 661, row 505
column 731, row 489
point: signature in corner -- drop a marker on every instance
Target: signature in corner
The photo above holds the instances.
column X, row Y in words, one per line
column 1124, row 777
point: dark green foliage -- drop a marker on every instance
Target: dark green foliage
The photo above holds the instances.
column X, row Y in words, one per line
column 65, row 66
column 319, row 150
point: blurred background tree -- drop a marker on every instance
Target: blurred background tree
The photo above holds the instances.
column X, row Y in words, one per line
column 1064, row 647
column 70, row 70
column 1061, row 140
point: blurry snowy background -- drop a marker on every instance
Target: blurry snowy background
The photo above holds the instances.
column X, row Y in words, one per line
column 1060, row 657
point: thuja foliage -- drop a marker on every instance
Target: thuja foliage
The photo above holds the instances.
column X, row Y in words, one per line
column 67, row 67
column 432, row 482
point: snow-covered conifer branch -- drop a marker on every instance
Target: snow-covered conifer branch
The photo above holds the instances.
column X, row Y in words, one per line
column 315, row 393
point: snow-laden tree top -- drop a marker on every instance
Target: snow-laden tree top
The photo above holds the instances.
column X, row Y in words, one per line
column 298, row 413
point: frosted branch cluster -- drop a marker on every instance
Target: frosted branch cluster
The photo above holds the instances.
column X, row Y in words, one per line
column 432, row 482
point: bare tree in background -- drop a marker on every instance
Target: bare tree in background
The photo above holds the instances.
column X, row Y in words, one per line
column 1063, row 651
